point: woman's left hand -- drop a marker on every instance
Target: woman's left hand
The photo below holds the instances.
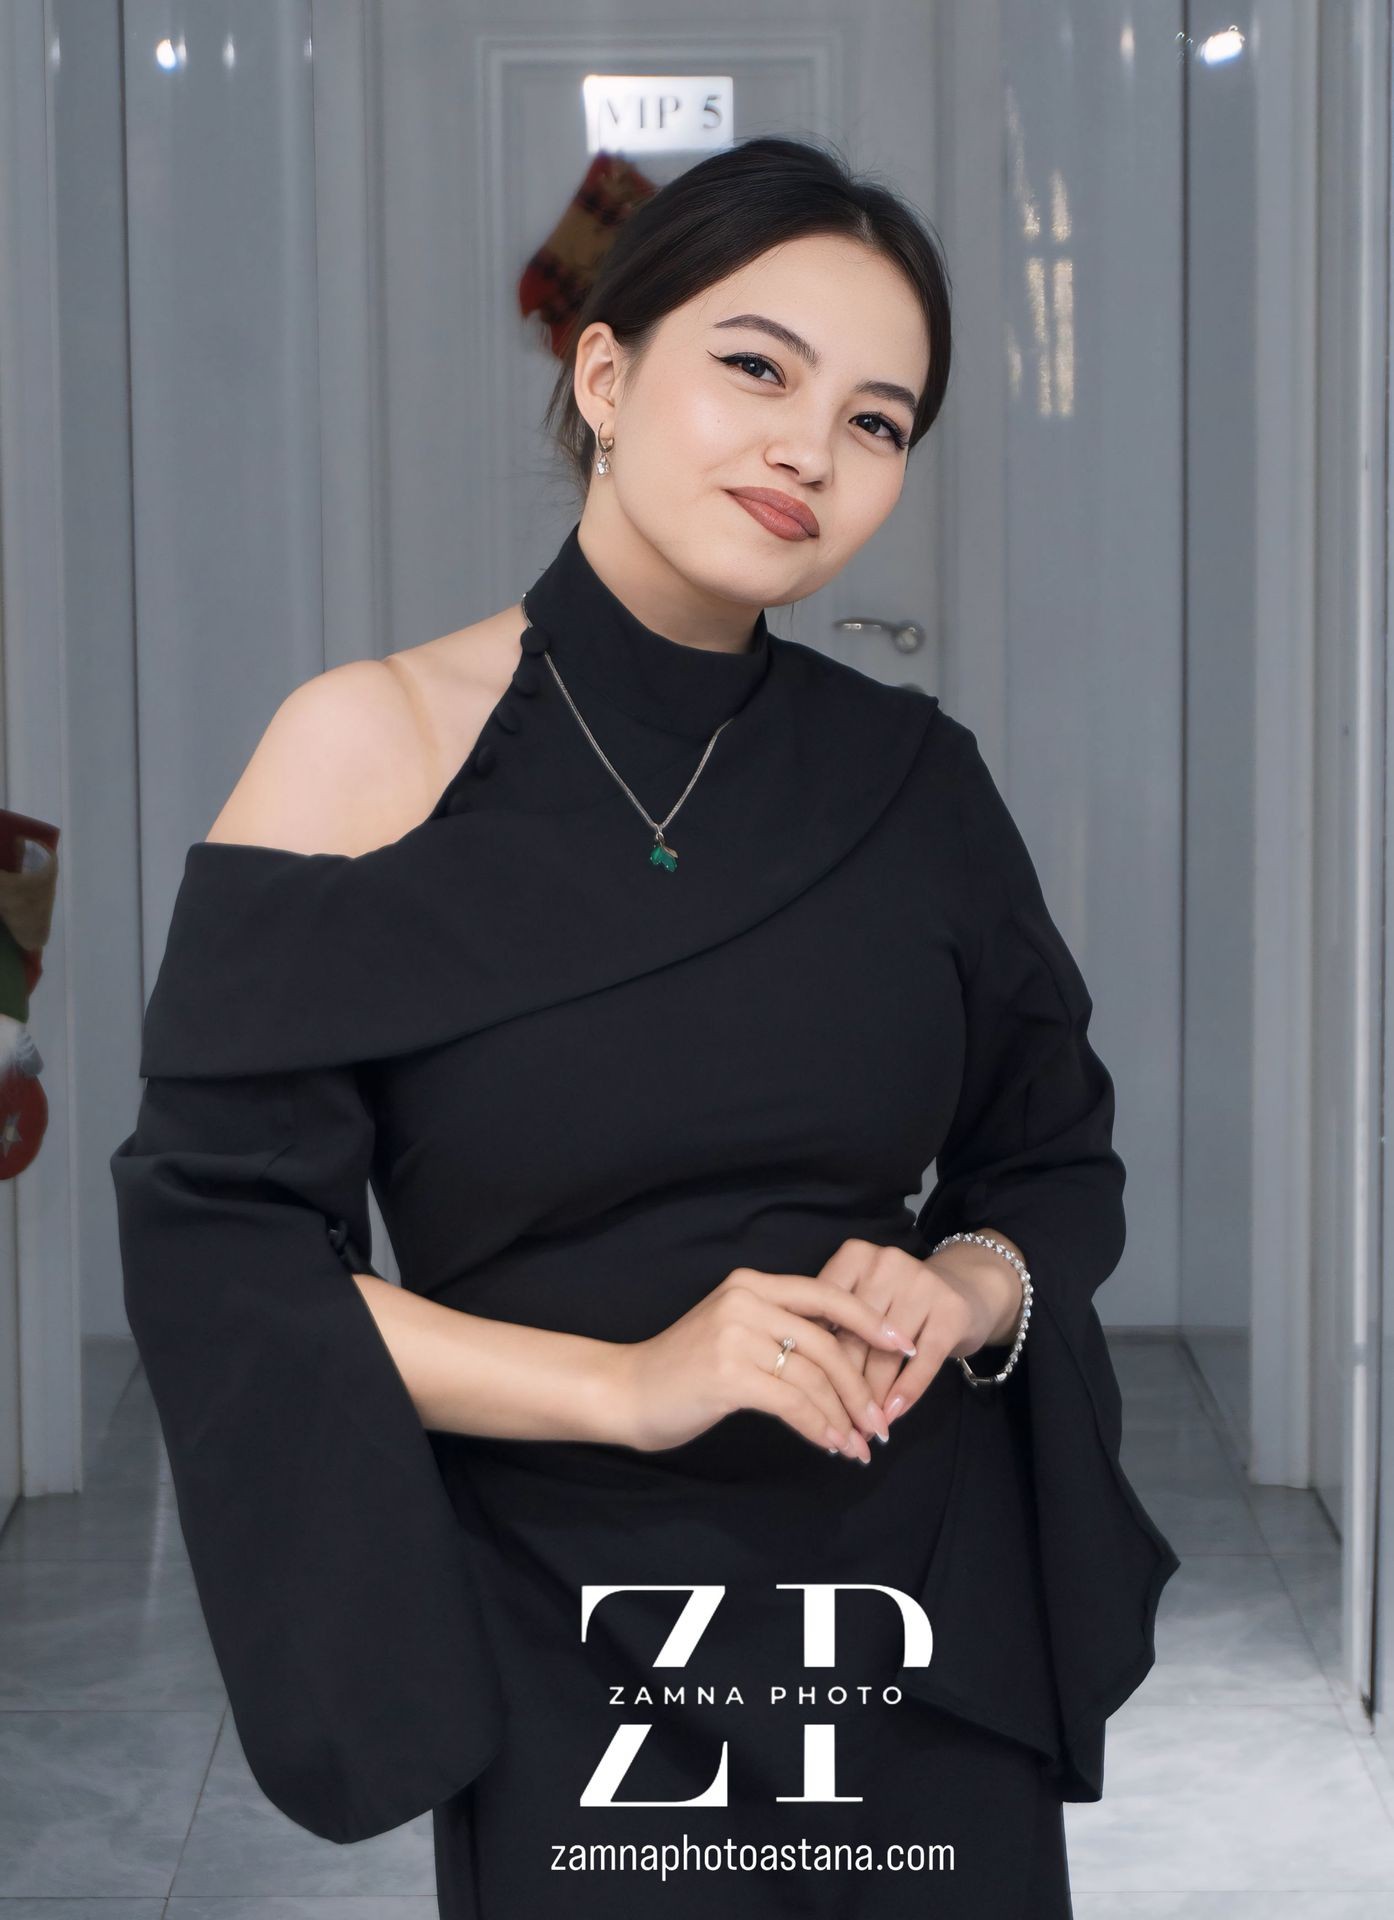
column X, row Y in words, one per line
column 947, row 1306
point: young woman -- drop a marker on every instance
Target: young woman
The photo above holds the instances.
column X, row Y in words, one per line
column 697, row 1521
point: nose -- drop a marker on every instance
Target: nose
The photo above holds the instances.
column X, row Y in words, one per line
column 807, row 459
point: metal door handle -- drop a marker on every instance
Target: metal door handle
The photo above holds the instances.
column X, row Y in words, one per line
column 907, row 636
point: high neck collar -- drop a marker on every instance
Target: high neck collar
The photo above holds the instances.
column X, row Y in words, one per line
column 602, row 649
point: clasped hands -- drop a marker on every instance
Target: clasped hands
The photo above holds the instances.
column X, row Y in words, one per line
column 871, row 1330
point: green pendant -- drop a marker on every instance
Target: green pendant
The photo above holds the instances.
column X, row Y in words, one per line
column 661, row 855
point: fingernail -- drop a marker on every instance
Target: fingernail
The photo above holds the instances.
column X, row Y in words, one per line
column 877, row 1419
column 907, row 1347
column 839, row 1440
column 894, row 1407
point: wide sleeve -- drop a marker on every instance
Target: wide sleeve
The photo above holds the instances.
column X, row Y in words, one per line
column 329, row 1558
column 1030, row 1152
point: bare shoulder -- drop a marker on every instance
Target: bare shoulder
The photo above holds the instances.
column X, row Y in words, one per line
column 332, row 768
column 357, row 756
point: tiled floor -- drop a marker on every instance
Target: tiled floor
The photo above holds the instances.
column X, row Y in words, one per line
column 1240, row 1781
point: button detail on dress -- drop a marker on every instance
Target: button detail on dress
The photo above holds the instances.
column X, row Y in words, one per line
column 534, row 642
column 525, row 677
column 484, row 757
column 507, row 718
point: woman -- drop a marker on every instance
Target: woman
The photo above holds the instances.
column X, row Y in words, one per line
column 708, row 946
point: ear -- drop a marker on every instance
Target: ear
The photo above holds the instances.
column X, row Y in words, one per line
column 596, row 380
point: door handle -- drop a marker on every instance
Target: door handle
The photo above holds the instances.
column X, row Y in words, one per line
column 907, row 636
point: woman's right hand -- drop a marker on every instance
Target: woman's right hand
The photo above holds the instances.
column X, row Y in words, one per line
column 719, row 1358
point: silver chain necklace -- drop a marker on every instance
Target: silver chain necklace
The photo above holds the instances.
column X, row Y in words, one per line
column 660, row 854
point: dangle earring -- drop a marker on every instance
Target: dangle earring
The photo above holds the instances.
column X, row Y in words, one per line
column 602, row 465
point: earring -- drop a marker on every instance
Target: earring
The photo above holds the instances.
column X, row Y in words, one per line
column 602, row 465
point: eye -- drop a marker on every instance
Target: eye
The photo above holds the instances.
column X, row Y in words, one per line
column 735, row 359
column 893, row 434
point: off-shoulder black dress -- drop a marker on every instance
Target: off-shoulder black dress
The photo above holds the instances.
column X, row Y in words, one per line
column 584, row 1088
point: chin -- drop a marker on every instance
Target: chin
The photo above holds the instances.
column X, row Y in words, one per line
column 735, row 576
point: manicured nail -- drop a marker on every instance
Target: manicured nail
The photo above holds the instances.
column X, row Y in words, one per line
column 839, row 1440
column 877, row 1419
column 907, row 1347
column 894, row 1407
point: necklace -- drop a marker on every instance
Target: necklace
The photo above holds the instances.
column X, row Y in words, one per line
column 660, row 854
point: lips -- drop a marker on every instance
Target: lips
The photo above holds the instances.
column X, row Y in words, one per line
column 780, row 512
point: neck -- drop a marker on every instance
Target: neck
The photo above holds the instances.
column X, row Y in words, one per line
column 598, row 640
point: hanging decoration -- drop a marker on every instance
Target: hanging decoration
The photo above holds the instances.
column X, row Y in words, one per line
column 28, row 888
column 557, row 278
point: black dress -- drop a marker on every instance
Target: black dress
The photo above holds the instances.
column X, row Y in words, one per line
column 584, row 1088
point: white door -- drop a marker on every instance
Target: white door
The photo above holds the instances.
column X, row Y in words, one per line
column 480, row 138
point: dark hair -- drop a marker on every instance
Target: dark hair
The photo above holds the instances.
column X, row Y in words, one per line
column 713, row 219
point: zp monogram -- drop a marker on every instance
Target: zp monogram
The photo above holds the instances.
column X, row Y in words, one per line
column 819, row 1638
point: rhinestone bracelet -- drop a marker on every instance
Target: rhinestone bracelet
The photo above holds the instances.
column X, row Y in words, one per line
column 984, row 1240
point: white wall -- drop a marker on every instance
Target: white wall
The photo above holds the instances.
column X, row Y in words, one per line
column 103, row 895
column 1221, row 296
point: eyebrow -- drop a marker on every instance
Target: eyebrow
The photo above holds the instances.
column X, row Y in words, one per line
column 761, row 323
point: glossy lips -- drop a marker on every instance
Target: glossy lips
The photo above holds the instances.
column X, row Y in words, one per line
column 782, row 514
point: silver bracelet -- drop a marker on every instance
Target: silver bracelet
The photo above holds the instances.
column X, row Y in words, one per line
column 984, row 1240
